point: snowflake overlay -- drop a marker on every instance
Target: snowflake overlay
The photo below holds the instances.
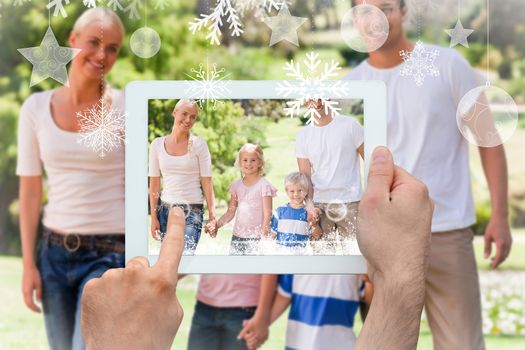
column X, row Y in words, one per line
column 115, row 5
column 59, row 5
column 208, row 84
column 261, row 7
column 419, row 63
column 312, row 84
column 134, row 9
column 213, row 21
column 102, row 128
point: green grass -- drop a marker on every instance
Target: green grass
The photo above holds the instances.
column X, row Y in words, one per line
column 24, row 330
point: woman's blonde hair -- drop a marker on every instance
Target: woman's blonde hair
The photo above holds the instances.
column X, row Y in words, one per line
column 183, row 102
column 250, row 147
column 97, row 14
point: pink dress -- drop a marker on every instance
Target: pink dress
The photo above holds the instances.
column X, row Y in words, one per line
column 249, row 215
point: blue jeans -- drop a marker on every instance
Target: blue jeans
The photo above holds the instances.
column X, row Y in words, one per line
column 64, row 275
column 216, row 328
column 192, row 231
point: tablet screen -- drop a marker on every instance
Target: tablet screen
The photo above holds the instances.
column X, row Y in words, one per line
column 265, row 209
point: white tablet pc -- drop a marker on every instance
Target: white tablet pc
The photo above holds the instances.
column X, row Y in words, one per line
column 213, row 255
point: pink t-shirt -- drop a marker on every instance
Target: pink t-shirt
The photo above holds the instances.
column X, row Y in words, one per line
column 229, row 290
column 249, row 216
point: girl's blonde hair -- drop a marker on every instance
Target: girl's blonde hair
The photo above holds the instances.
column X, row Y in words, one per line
column 250, row 147
column 97, row 14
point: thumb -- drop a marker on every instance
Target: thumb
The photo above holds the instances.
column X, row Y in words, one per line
column 244, row 330
column 380, row 174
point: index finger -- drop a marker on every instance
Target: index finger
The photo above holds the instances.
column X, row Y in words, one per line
column 173, row 245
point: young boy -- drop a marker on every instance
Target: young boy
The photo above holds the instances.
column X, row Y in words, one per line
column 290, row 222
column 322, row 310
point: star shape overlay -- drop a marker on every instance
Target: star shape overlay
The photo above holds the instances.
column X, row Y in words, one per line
column 102, row 128
column 284, row 26
column 458, row 34
column 419, row 63
column 49, row 59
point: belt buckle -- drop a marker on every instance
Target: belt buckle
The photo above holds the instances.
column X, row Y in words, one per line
column 74, row 247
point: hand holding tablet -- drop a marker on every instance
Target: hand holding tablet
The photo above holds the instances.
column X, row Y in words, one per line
column 394, row 237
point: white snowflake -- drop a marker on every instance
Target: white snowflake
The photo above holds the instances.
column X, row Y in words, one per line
column 102, row 128
column 133, row 8
column 208, row 84
column 259, row 6
column 213, row 21
column 90, row 3
column 313, row 83
column 161, row 5
column 115, row 5
column 419, row 63
column 58, row 5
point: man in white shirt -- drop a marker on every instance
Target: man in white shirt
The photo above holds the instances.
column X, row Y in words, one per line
column 327, row 152
column 424, row 138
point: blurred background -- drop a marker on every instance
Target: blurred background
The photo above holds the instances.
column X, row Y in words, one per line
column 23, row 23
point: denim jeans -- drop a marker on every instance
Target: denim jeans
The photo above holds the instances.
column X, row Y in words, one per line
column 216, row 328
column 64, row 275
column 192, row 232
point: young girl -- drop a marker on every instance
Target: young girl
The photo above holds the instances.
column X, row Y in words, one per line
column 224, row 302
column 251, row 200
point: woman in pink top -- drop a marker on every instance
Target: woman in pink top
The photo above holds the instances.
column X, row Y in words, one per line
column 225, row 302
column 84, row 215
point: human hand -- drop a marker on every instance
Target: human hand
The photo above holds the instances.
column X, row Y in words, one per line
column 255, row 332
column 497, row 232
column 394, row 221
column 211, row 228
column 136, row 307
column 312, row 213
column 155, row 228
column 394, row 224
column 31, row 287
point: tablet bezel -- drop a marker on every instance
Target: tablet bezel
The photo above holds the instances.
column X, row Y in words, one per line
column 138, row 93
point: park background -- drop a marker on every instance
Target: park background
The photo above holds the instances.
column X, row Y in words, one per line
column 23, row 24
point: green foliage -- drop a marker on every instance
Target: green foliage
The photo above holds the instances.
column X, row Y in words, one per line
column 474, row 53
column 483, row 212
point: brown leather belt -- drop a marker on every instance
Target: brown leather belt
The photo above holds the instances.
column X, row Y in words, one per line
column 72, row 242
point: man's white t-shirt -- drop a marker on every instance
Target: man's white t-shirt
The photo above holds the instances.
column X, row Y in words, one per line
column 332, row 152
column 423, row 135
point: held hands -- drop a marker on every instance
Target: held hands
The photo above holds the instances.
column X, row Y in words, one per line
column 136, row 307
column 255, row 332
column 212, row 228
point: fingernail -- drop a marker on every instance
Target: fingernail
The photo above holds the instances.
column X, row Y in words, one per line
column 380, row 155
